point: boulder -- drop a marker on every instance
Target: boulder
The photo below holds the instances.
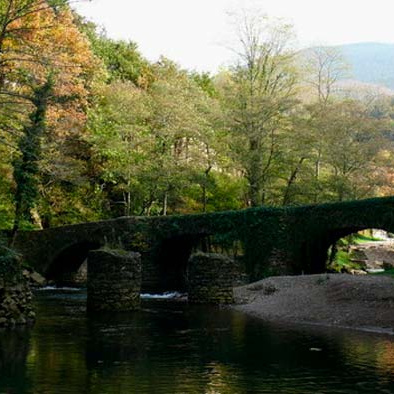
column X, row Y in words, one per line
column 34, row 278
column 37, row 279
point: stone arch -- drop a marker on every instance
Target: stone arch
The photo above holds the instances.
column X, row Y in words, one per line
column 314, row 250
column 171, row 259
column 166, row 269
column 69, row 260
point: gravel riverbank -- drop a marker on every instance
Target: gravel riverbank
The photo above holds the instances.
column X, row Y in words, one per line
column 361, row 302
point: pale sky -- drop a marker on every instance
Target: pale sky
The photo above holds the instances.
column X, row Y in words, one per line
column 195, row 33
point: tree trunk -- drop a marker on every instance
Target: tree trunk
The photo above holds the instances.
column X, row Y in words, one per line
column 165, row 203
column 291, row 180
column 204, row 189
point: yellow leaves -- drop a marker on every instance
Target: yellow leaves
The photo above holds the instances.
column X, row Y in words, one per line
column 41, row 42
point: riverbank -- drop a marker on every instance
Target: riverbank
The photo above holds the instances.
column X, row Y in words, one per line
column 359, row 302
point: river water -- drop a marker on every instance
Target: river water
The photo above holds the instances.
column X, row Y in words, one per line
column 169, row 347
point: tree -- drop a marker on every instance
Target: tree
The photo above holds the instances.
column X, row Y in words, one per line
column 121, row 59
column 26, row 166
column 121, row 140
column 352, row 145
column 16, row 32
column 184, row 122
column 40, row 39
column 157, row 145
column 260, row 95
column 323, row 67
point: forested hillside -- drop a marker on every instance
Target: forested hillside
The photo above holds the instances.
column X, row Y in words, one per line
column 90, row 130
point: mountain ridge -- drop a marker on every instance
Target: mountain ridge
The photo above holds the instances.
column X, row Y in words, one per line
column 370, row 62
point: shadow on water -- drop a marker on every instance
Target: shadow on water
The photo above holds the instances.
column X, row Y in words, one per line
column 168, row 347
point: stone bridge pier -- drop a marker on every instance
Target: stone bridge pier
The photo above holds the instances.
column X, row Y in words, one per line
column 210, row 279
column 114, row 280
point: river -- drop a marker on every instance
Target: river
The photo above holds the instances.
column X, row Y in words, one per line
column 169, row 347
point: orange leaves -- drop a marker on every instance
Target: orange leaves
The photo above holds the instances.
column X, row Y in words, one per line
column 39, row 42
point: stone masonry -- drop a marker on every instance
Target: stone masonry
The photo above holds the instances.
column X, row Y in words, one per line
column 275, row 241
column 210, row 279
column 114, row 280
column 15, row 303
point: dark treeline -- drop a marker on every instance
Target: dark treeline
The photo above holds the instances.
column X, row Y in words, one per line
column 90, row 130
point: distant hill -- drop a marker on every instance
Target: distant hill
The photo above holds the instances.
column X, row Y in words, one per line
column 372, row 63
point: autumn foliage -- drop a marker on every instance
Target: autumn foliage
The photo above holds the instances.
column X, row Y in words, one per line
column 115, row 134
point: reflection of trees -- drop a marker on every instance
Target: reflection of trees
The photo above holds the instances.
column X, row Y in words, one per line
column 385, row 357
column 179, row 349
column 375, row 351
column 14, row 347
column 221, row 379
column 55, row 360
column 140, row 351
column 364, row 359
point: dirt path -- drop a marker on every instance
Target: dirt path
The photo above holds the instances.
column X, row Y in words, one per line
column 362, row 302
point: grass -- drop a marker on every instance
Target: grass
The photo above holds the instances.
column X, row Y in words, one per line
column 361, row 238
column 342, row 260
column 356, row 239
column 389, row 272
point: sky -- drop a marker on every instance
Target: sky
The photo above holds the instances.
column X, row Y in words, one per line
column 197, row 33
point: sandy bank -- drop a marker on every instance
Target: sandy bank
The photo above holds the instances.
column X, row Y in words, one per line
column 362, row 302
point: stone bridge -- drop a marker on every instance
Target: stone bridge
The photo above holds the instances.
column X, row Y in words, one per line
column 265, row 241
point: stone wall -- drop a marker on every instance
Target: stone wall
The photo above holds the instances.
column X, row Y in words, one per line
column 114, row 280
column 15, row 303
column 210, row 279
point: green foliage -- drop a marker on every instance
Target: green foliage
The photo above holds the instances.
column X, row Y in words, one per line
column 9, row 262
column 57, row 4
column 389, row 272
column 260, row 95
column 355, row 239
column 153, row 139
column 26, row 166
column 206, row 82
column 122, row 60
column 361, row 238
column 343, row 256
column 157, row 147
column 223, row 193
column 6, row 199
column 342, row 261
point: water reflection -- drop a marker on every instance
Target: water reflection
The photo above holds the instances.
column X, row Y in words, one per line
column 14, row 349
column 171, row 348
